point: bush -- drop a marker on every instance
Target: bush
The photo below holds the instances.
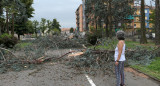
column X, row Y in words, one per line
column 56, row 31
column 8, row 40
column 92, row 38
column 94, row 35
column 71, row 30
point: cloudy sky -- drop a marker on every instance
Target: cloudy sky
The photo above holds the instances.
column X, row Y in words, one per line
column 62, row 10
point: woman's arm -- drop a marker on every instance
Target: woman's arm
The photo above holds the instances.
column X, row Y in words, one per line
column 120, row 49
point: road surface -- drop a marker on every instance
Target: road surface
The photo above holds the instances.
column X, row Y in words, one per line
column 57, row 74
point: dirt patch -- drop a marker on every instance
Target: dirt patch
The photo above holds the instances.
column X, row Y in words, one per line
column 135, row 72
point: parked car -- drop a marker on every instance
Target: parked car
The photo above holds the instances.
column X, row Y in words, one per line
column 148, row 36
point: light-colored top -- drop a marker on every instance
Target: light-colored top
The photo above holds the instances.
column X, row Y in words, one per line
column 122, row 58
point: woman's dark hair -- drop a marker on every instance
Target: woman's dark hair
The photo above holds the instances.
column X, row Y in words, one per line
column 121, row 38
column 120, row 35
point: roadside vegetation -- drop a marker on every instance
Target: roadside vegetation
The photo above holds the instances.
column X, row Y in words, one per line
column 153, row 69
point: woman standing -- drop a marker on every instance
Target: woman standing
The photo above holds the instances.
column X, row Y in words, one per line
column 119, row 57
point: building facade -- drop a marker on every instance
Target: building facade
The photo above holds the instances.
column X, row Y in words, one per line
column 84, row 17
column 137, row 17
column 79, row 19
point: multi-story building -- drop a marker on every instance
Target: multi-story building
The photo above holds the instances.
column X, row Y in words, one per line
column 132, row 22
column 79, row 19
column 84, row 17
column 137, row 17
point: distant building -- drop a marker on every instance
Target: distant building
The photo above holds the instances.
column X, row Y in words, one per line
column 84, row 17
column 79, row 19
column 137, row 17
column 66, row 31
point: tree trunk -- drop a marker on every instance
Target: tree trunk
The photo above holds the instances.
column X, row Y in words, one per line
column 12, row 32
column 96, row 26
column 157, row 23
column 7, row 21
column 1, row 8
column 143, row 39
column 36, row 33
column 106, row 27
column 87, row 29
column 18, row 36
column 0, row 30
column 110, row 19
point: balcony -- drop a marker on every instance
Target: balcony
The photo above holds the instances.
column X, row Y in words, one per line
column 135, row 15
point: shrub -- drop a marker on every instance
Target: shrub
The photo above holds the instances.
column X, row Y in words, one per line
column 71, row 30
column 8, row 40
column 92, row 38
column 56, row 31
column 94, row 35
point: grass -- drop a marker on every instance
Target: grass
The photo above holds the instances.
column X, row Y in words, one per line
column 132, row 45
column 23, row 44
column 153, row 69
column 129, row 44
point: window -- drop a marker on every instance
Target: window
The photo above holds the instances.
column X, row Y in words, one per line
column 134, row 25
column 139, row 11
column 145, row 11
column 146, row 18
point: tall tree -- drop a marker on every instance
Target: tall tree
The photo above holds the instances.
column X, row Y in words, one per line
column 49, row 25
column 56, row 25
column 30, row 27
column 110, row 18
column 1, row 8
column 143, row 39
column 1, row 12
column 21, row 19
column 43, row 26
column 97, row 11
column 157, row 22
column 7, row 5
column 35, row 25
column 28, row 6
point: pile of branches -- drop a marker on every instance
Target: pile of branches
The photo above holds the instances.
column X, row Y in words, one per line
column 141, row 56
column 41, row 45
column 53, row 42
column 35, row 53
column 93, row 60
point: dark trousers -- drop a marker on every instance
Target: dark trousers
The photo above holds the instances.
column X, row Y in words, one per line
column 119, row 70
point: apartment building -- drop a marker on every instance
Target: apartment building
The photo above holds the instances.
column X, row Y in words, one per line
column 137, row 17
column 79, row 19
column 84, row 17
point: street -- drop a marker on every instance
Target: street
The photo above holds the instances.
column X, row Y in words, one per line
column 57, row 74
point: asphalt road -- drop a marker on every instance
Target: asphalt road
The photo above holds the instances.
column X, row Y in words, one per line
column 56, row 74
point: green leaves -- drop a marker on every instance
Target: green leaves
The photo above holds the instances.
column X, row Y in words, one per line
column 43, row 24
column 56, row 25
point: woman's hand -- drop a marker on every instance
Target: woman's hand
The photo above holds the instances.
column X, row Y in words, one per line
column 116, row 63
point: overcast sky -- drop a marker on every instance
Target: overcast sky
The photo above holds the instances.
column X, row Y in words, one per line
column 62, row 10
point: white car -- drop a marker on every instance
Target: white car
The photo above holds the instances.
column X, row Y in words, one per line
column 153, row 35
